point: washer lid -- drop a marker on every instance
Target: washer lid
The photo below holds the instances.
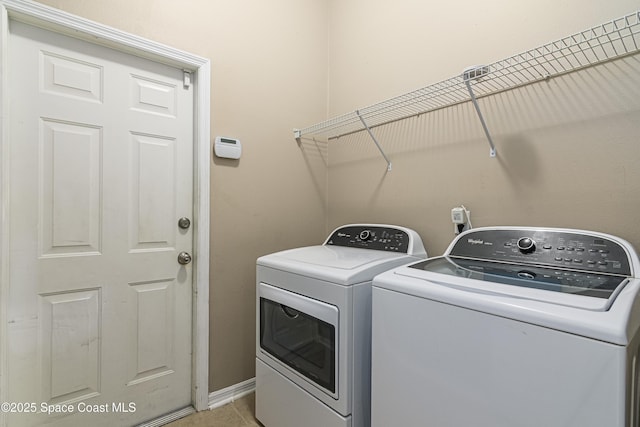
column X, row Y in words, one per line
column 338, row 264
column 612, row 320
column 585, row 290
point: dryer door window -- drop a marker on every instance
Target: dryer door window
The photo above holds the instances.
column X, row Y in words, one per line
column 301, row 333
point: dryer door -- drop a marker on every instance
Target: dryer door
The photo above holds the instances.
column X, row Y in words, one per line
column 301, row 333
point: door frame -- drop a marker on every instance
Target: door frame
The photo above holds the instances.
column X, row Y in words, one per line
column 200, row 68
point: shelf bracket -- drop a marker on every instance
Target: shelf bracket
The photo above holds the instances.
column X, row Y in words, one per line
column 475, row 73
column 374, row 140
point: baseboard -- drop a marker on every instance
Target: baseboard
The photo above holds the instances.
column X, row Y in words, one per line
column 231, row 393
column 165, row 419
column 216, row 399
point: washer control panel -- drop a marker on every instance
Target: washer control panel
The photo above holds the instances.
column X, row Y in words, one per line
column 371, row 237
column 548, row 247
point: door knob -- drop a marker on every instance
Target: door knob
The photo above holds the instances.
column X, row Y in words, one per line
column 184, row 223
column 184, row 258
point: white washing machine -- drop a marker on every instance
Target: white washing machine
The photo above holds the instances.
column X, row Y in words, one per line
column 512, row 327
column 313, row 338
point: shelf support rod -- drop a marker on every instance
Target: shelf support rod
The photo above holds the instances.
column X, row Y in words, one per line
column 476, row 73
column 374, row 140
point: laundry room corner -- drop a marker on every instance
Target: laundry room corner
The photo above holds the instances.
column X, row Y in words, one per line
column 566, row 146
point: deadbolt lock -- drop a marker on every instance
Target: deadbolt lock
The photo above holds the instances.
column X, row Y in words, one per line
column 184, row 223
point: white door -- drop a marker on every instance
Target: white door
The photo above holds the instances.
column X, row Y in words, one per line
column 101, row 171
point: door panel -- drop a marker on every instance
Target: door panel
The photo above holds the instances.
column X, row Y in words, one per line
column 153, row 96
column 70, row 77
column 70, row 182
column 152, row 330
column 70, row 362
column 101, row 155
column 153, row 192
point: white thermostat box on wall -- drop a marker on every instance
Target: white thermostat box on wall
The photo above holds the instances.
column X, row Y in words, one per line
column 228, row 148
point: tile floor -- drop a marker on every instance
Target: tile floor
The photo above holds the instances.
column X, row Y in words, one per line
column 239, row 413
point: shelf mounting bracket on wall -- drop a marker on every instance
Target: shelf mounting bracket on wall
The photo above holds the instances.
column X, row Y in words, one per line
column 374, row 139
column 475, row 73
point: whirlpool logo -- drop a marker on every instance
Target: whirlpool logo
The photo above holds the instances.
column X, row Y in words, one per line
column 478, row 242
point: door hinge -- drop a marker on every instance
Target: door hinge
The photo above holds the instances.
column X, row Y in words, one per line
column 187, row 79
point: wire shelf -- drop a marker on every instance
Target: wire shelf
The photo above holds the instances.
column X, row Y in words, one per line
column 611, row 40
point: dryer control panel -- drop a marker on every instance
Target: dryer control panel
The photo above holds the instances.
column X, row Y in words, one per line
column 547, row 247
column 374, row 237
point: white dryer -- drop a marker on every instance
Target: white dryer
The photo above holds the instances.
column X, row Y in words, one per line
column 313, row 324
column 512, row 327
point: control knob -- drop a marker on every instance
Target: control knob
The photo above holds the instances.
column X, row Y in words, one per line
column 526, row 245
column 365, row 235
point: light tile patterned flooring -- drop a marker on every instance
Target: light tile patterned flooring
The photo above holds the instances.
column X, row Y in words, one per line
column 239, row 413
